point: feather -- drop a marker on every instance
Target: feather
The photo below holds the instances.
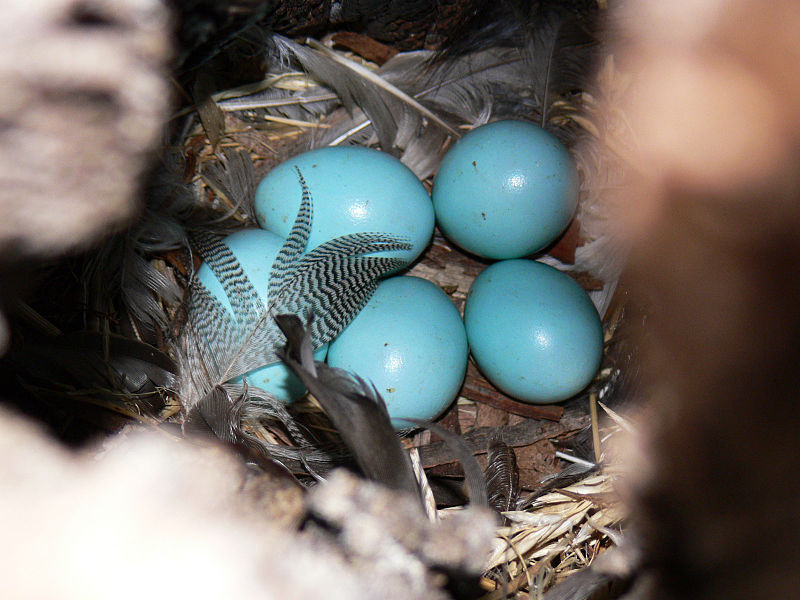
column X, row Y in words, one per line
column 509, row 24
column 331, row 282
column 560, row 54
column 502, row 476
column 219, row 416
column 120, row 280
column 459, row 94
column 381, row 84
column 355, row 408
column 468, row 90
column 233, row 179
column 557, row 42
column 213, row 415
column 359, row 87
column 211, row 117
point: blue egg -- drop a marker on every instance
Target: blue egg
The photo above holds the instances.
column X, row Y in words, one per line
column 409, row 341
column 354, row 190
column 505, row 190
column 256, row 250
column 533, row 331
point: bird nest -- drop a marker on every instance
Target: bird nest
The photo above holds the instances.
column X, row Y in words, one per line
column 545, row 465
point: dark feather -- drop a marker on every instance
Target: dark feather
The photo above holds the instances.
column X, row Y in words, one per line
column 354, row 407
column 560, row 55
column 509, row 23
column 556, row 40
column 120, row 280
column 218, row 415
column 213, row 415
column 502, row 476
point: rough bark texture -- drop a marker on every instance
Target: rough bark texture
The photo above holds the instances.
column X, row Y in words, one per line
column 151, row 518
column 714, row 221
column 84, row 98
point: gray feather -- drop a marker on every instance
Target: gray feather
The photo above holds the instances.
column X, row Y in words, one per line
column 232, row 177
column 560, row 55
column 295, row 243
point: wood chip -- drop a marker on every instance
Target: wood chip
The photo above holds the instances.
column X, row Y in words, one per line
column 478, row 389
column 364, row 46
column 523, row 434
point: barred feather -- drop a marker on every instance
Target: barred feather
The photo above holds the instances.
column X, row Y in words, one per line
column 331, row 282
column 295, row 243
column 243, row 297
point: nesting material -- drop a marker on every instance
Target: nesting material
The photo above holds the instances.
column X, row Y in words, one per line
column 560, row 533
column 206, row 188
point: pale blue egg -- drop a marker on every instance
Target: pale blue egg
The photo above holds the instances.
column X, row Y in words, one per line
column 409, row 341
column 354, row 190
column 256, row 250
column 505, row 190
column 533, row 331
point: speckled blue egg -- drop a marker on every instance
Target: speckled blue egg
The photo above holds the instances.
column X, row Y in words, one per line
column 409, row 341
column 354, row 190
column 256, row 250
column 505, row 190
column 533, row 331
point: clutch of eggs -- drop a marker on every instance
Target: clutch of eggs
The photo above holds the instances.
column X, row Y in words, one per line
column 504, row 190
column 256, row 250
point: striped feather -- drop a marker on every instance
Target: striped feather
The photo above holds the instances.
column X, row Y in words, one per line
column 331, row 282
